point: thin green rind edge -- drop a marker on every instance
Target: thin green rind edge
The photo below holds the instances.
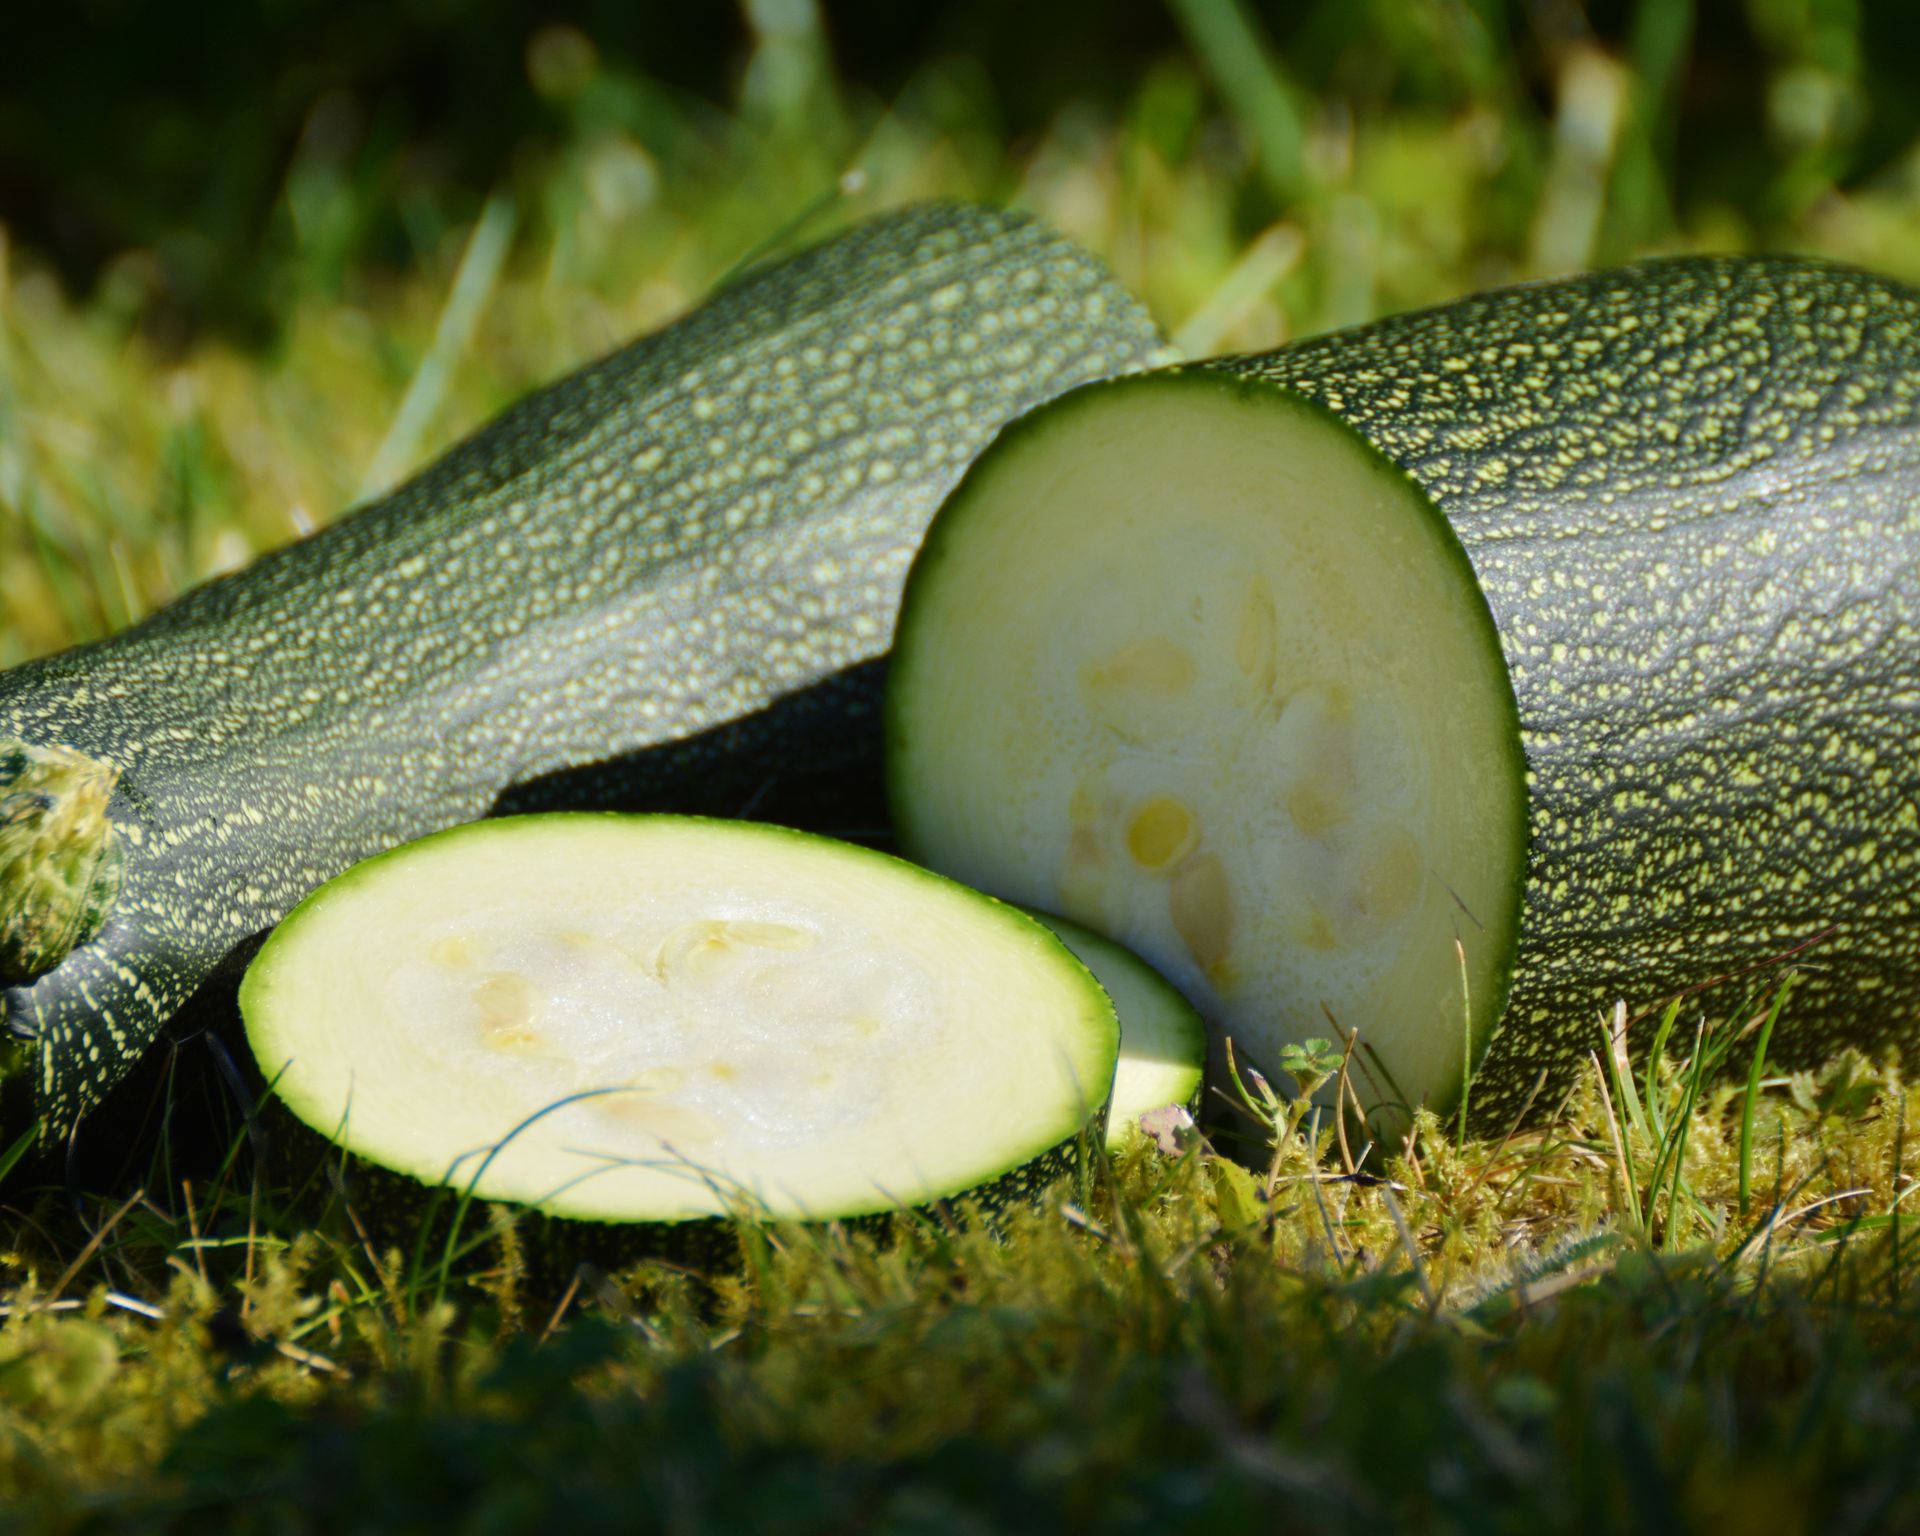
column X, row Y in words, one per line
column 949, row 522
column 1034, row 1169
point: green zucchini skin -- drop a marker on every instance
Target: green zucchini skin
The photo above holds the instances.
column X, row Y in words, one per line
column 1690, row 491
column 698, row 529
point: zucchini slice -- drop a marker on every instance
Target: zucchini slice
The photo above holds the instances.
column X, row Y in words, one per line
column 1163, row 1043
column 1505, row 659
column 663, row 1019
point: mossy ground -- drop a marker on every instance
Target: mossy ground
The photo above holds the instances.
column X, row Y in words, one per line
column 1621, row 1321
column 1504, row 1336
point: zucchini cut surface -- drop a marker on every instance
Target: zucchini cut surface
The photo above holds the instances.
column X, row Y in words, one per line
column 1186, row 660
column 653, row 1018
column 1163, row 1043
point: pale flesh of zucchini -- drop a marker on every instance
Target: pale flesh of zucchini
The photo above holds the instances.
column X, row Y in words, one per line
column 1163, row 1044
column 662, row 1018
column 1189, row 662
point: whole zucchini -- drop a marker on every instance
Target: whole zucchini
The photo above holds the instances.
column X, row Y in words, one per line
column 698, row 541
column 1554, row 646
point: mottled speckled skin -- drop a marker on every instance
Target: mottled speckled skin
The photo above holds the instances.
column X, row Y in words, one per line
column 680, row 535
column 1691, row 492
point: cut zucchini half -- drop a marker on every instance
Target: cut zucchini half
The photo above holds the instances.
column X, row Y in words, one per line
column 1188, row 660
column 663, row 1019
column 1163, row 1044
column 1578, row 621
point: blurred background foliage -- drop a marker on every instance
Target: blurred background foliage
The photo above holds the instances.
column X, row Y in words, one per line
column 257, row 260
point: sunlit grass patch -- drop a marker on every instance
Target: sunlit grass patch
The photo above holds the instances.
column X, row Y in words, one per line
column 1511, row 1324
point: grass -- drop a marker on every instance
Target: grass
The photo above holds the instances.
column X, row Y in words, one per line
column 1575, row 1327
column 1684, row 1303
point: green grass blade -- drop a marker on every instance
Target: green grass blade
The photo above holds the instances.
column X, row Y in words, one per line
column 1621, row 1093
column 1752, row 1095
column 1255, row 88
column 1620, row 1072
column 22, row 1144
column 1683, row 1120
column 1657, row 48
column 473, row 285
column 1466, row 1038
column 1656, row 1055
column 849, row 186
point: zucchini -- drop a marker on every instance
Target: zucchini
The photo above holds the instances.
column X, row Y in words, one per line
column 1163, row 1043
column 1576, row 625
column 666, row 1019
column 695, row 545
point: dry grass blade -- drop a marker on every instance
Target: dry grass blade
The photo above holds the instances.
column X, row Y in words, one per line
column 95, row 1242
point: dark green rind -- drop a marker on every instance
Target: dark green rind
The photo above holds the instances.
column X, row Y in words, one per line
column 689, row 533
column 1690, row 491
column 414, row 1216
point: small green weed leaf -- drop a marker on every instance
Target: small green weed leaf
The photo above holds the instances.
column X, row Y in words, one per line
column 1236, row 1194
column 1310, row 1063
column 1848, row 1087
column 1841, row 1090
